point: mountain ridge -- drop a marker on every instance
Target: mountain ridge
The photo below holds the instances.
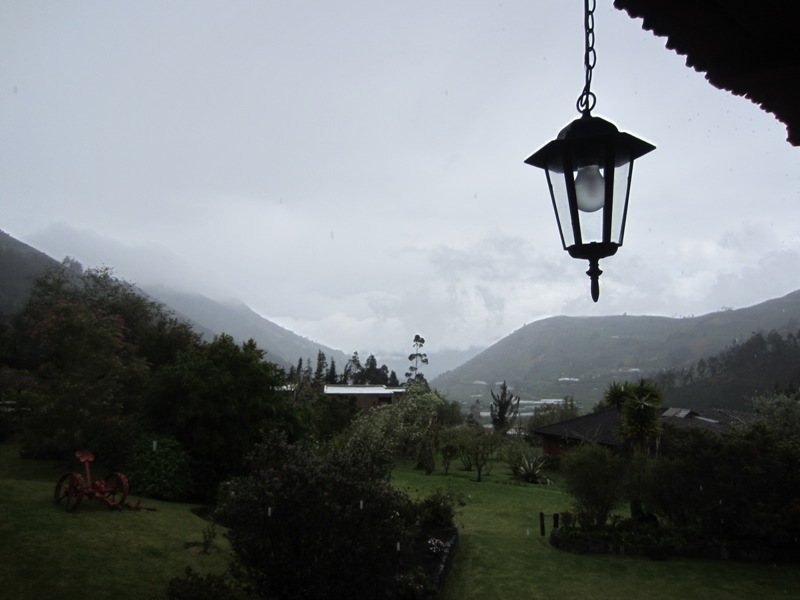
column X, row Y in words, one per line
column 580, row 356
column 21, row 263
column 549, row 358
column 238, row 320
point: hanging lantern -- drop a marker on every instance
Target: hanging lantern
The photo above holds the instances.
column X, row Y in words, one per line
column 589, row 167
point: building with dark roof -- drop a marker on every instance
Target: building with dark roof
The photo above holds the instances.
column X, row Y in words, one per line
column 600, row 427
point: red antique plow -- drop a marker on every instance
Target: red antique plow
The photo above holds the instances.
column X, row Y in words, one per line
column 72, row 487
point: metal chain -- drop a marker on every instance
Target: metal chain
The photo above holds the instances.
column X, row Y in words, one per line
column 587, row 99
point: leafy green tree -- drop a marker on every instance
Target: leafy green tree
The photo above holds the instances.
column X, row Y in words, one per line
column 304, row 386
column 593, row 476
column 322, row 367
column 479, row 444
column 86, row 378
column 331, row 376
column 146, row 326
column 472, row 444
column 332, row 415
column 354, row 371
column 461, row 437
column 426, row 450
column 701, row 368
column 309, row 524
column 474, row 414
column 416, row 358
column 739, row 488
column 395, row 429
column 780, row 412
column 373, row 374
column 450, row 415
column 88, row 343
column 504, row 409
column 215, row 400
column 449, row 446
column 153, row 330
column 85, row 369
column 327, row 416
column 547, row 415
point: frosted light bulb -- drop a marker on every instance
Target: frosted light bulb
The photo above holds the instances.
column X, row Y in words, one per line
column 590, row 188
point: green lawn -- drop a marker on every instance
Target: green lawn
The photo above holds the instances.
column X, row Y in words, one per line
column 502, row 555
column 46, row 552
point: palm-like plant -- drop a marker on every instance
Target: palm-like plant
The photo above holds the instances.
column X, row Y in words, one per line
column 528, row 465
column 616, row 394
column 637, row 407
column 639, row 424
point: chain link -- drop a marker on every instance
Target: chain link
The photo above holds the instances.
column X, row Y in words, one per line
column 587, row 99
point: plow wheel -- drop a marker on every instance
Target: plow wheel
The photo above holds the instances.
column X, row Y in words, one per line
column 116, row 488
column 70, row 489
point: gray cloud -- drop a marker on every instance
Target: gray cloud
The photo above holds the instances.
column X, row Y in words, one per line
column 354, row 170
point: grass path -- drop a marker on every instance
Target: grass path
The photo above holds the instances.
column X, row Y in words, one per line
column 502, row 555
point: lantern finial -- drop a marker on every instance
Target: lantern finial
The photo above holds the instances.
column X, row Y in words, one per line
column 594, row 273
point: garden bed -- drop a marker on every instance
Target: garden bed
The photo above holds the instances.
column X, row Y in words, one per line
column 658, row 544
column 434, row 551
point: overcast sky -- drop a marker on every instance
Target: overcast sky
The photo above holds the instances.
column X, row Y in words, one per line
column 353, row 170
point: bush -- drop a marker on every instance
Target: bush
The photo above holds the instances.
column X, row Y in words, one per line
column 593, row 477
column 309, row 522
column 193, row 586
column 526, row 464
column 414, row 585
column 740, row 487
column 163, row 472
column 437, row 510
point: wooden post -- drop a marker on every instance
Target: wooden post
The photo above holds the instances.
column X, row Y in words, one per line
column 541, row 523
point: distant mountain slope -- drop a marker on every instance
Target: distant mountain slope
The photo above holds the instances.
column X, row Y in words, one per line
column 736, row 389
column 239, row 321
column 582, row 355
column 743, row 371
column 20, row 264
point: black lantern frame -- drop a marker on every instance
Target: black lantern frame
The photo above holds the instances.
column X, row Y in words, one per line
column 589, row 167
column 590, row 229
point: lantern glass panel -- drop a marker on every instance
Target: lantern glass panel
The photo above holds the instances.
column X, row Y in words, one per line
column 586, row 179
column 622, row 182
column 558, row 193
